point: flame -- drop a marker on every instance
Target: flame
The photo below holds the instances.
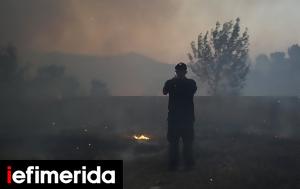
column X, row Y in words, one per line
column 141, row 137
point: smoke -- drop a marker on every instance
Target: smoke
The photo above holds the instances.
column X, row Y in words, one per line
column 159, row 29
column 34, row 24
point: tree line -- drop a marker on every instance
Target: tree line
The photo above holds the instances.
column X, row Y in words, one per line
column 48, row 81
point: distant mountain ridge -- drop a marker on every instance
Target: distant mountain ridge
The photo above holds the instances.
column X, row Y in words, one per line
column 129, row 74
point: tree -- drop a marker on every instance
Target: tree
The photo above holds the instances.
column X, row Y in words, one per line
column 262, row 59
column 12, row 73
column 98, row 88
column 294, row 55
column 220, row 59
column 262, row 63
column 278, row 57
column 51, row 82
column 8, row 64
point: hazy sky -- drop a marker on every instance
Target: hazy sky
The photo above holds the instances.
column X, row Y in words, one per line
column 162, row 29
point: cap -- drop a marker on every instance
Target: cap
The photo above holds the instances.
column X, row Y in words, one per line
column 181, row 66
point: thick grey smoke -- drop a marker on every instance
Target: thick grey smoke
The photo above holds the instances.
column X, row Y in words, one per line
column 159, row 29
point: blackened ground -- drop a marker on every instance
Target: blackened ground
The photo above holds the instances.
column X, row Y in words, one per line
column 223, row 161
column 242, row 161
column 244, row 142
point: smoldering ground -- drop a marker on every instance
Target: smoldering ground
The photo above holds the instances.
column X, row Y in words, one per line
column 240, row 141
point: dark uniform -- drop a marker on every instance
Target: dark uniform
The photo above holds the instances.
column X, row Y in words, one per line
column 181, row 119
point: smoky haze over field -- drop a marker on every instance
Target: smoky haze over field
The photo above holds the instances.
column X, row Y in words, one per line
column 80, row 78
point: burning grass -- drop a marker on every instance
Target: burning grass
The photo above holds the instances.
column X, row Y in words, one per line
column 141, row 137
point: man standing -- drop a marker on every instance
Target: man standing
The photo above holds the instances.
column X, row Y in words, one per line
column 181, row 116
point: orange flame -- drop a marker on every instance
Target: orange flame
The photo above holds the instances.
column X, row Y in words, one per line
column 141, row 137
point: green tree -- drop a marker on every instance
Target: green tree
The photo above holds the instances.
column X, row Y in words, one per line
column 220, row 58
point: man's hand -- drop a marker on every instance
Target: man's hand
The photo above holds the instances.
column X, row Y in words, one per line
column 165, row 92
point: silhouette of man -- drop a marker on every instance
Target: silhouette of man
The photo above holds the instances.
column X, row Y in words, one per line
column 181, row 116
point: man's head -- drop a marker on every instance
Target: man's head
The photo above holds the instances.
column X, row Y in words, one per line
column 181, row 70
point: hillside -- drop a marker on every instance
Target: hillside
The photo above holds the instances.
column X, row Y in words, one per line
column 129, row 74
